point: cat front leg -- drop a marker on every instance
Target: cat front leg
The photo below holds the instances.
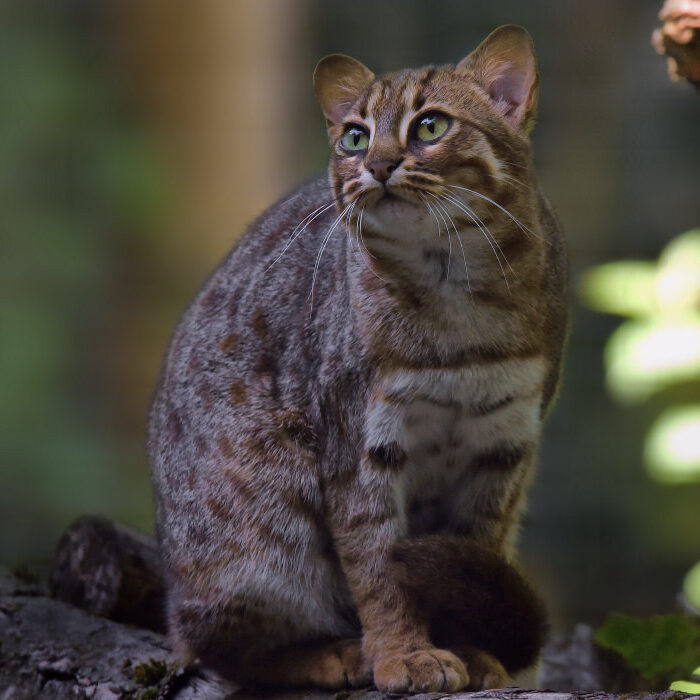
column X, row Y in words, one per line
column 365, row 524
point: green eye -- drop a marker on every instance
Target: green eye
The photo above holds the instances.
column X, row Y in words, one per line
column 355, row 138
column 431, row 127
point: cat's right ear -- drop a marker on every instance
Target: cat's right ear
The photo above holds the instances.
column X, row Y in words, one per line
column 338, row 81
column 504, row 64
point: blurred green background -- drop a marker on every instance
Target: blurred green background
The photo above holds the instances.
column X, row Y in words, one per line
column 138, row 137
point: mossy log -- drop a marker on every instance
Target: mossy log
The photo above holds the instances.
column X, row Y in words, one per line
column 50, row 648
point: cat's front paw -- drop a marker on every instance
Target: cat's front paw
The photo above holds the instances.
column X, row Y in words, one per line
column 485, row 671
column 337, row 665
column 428, row 670
column 356, row 668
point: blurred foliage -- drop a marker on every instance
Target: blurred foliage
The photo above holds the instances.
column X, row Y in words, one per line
column 691, row 586
column 663, row 648
column 73, row 178
column 658, row 347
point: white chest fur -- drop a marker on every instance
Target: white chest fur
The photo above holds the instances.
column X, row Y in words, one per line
column 445, row 421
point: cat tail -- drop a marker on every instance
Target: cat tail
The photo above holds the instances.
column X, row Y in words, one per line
column 475, row 598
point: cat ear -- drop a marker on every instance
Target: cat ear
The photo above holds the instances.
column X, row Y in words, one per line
column 338, row 81
column 504, row 64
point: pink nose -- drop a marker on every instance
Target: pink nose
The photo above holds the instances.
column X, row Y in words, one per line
column 382, row 169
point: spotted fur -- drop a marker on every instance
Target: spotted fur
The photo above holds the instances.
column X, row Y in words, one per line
column 369, row 366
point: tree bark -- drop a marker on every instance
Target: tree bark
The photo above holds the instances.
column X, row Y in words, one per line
column 52, row 649
column 109, row 570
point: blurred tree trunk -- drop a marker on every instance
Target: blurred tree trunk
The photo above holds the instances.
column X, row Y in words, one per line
column 217, row 85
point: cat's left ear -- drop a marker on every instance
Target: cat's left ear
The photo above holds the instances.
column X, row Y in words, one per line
column 339, row 80
column 504, row 64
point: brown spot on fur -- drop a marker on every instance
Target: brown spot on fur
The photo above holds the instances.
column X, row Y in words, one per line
column 259, row 323
column 196, row 533
column 239, row 484
column 266, row 367
column 193, row 365
column 174, row 426
column 219, row 509
column 207, row 395
column 229, row 343
column 225, row 447
column 201, row 445
column 238, row 391
column 211, row 300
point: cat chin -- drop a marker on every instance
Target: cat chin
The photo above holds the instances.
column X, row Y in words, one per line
column 390, row 213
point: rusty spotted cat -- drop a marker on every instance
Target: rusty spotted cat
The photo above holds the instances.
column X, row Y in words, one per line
column 349, row 413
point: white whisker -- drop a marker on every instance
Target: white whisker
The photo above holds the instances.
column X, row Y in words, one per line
column 491, row 239
column 441, row 208
column 519, row 223
column 326, row 238
column 366, row 250
column 308, row 219
column 430, row 209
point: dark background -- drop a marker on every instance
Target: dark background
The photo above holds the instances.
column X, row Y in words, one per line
column 137, row 138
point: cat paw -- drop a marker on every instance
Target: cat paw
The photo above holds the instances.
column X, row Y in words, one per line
column 335, row 666
column 356, row 668
column 485, row 671
column 430, row 670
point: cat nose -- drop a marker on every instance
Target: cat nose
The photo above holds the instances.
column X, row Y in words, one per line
column 382, row 169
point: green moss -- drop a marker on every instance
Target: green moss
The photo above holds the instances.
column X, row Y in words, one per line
column 148, row 694
column 151, row 672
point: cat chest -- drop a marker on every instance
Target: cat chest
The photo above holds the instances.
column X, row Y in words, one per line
column 437, row 428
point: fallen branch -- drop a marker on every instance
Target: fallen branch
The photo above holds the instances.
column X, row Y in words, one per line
column 52, row 649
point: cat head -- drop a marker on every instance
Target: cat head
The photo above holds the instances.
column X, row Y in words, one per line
column 401, row 139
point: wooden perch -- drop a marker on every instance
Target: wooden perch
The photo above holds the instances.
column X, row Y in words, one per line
column 111, row 571
column 679, row 39
column 51, row 649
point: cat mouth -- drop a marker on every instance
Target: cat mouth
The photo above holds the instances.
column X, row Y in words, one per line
column 389, row 197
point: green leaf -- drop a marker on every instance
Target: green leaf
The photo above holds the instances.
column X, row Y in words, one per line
column 625, row 288
column 659, row 647
column 686, row 687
